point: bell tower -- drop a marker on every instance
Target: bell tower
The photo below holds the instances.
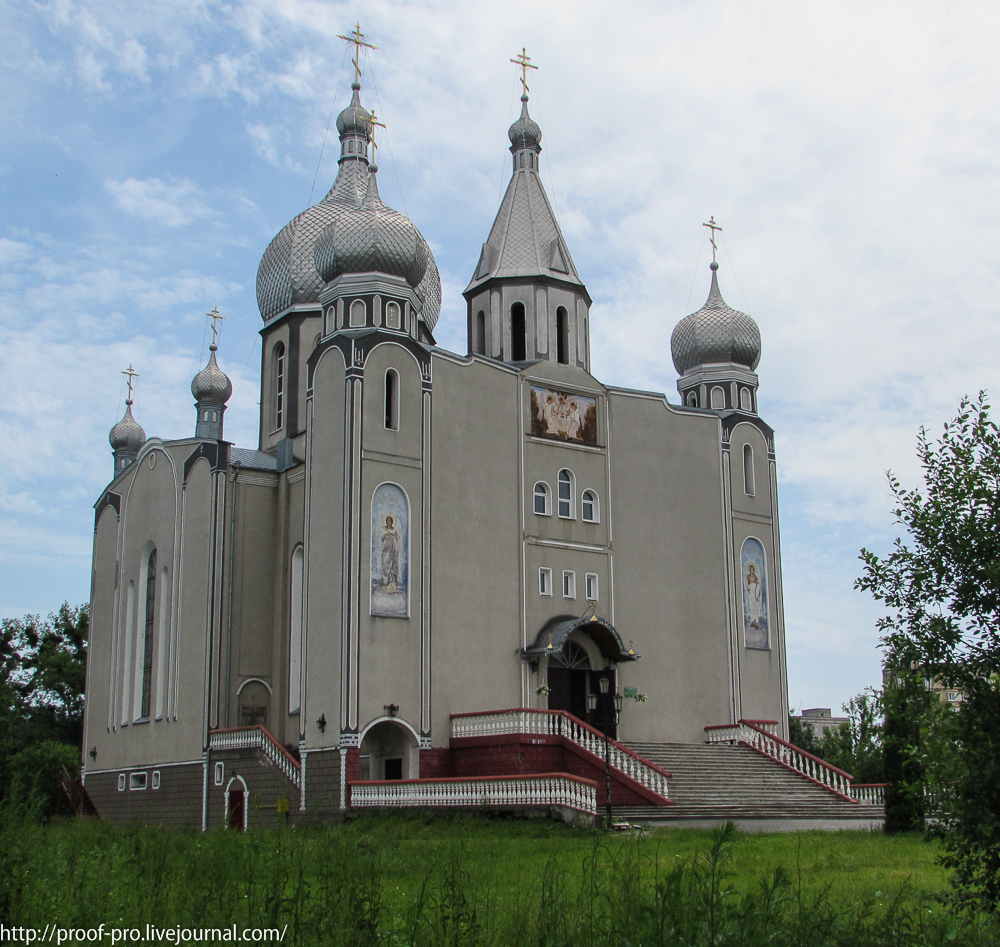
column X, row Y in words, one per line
column 526, row 301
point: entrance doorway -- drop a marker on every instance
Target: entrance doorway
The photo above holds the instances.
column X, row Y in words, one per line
column 389, row 751
column 236, row 804
column 570, row 678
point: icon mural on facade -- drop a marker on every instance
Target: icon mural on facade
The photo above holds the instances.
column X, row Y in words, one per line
column 754, row 573
column 563, row 415
column 390, row 552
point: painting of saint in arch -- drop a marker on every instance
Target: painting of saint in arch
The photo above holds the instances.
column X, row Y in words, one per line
column 754, row 572
column 390, row 552
column 563, row 415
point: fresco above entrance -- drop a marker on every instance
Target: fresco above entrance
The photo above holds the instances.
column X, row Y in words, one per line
column 563, row 415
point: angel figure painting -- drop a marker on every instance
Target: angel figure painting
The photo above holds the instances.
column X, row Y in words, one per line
column 390, row 552
column 563, row 415
column 752, row 567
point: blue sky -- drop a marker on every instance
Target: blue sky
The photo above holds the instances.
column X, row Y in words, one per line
column 850, row 151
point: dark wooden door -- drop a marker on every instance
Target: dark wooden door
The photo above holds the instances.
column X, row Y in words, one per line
column 236, row 802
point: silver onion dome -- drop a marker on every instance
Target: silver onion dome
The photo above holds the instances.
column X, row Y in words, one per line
column 127, row 436
column 355, row 119
column 715, row 334
column 525, row 133
column 212, row 385
column 372, row 238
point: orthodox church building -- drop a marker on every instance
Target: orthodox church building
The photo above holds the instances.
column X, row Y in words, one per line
column 420, row 534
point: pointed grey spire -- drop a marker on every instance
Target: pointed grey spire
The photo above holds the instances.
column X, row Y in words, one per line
column 211, row 389
column 126, row 438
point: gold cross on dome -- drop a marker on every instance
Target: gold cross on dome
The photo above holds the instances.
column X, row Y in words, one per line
column 712, row 226
column 358, row 39
column 215, row 317
column 374, row 121
column 131, row 374
column 524, row 61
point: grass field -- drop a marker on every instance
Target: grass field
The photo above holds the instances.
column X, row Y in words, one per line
column 421, row 880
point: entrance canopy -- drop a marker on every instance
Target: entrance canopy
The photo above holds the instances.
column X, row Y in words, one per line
column 555, row 633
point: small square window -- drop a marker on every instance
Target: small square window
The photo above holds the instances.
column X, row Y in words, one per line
column 156, row 779
column 544, row 581
column 569, row 584
column 121, row 782
column 591, row 586
column 220, row 773
column 137, row 781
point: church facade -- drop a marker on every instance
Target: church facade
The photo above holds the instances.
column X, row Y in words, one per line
column 419, row 533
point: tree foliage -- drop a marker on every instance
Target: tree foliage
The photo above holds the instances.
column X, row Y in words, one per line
column 856, row 745
column 42, row 676
column 941, row 587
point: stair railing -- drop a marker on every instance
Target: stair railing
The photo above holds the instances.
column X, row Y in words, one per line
column 256, row 737
column 559, row 723
column 752, row 733
column 872, row 794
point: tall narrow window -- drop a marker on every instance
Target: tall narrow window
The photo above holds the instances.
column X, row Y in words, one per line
column 542, row 505
column 718, row 397
column 295, row 636
column 279, row 385
column 147, row 641
column 358, row 313
column 544, row 581
column 562, row 336
column 746, row 400
column 748, row 470
column 479, row 342
column 567, row 501
column 569, row 584
column 591, row 586
column 392, row 315
column 517, row 346
column 591, row 507
column 391, row 400
column 692, row 399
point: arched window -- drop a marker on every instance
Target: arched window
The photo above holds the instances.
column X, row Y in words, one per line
column 517, row 326
column 718, row 398
column 543, row 506
column 590, row 507
column 746, row 400
column 295, row 635
column 692, row 399
column 479, row 342
column 358, row 313
column 147, row 637
column 329, row 319
column 392, row 315
column 392, row 400
column 748, row 470
column 567, row 499
column 562, row 336
column 279, row 385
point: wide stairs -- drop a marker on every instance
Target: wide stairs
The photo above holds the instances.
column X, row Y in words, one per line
column 716, row 782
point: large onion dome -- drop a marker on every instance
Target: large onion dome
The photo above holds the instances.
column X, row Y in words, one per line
column 212, row 385
column 287, row 273
column 127, row 436
column 373, row 238
column 715, row 334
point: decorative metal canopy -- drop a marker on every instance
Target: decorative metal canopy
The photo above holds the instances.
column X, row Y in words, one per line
column 555, row 633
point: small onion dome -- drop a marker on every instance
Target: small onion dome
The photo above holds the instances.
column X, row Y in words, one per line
column 355, row 119
column 715, row 334
column 212, row 385
column 127, row 436
column 525, row 133
column 373, row 238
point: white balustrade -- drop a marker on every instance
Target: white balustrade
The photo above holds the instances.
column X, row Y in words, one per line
column 544, row 789
column 749, row 733
column 558, row 723
column 873, row 794
column 257, row 738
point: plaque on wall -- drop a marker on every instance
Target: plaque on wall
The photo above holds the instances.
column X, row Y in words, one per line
column 563, row 415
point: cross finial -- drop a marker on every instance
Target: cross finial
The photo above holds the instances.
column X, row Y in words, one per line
column 357, row 38
column 524, row 61
column 131, row 374
column 712, row 226
column 374, row 122
column 215, row 317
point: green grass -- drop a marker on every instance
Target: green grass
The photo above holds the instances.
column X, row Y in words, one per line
column 422, row 880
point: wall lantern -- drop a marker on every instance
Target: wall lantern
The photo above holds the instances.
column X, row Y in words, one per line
column 321, row 723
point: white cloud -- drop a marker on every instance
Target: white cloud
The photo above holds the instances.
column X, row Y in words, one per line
column 167, row 203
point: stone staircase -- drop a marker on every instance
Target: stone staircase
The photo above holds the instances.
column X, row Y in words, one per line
column 717, row 782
